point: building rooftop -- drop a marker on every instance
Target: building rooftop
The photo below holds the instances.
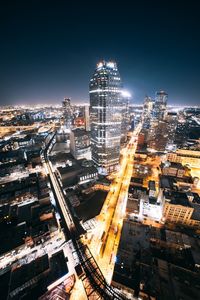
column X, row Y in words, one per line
column 147, row 255
column 80, row 132
column 178, row 238
column 132, row 205
column 196, row 212
column 173, row 165
column 30, row 281
column 177, row 198
column 137, row 180
column 71, row 174
column 184, row 152
column 88, row 170
column 196, row 198
column 152, row 185
column 91, row 206
column 167, row 182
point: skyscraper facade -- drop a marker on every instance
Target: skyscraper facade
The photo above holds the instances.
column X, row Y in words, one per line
column 160, row 133
column 87, row 117
column 158, row 136
column 125, row 116
column 105, row 115
column 160, row 105
column 171, row 119
column 67, row 112
column 147, row 112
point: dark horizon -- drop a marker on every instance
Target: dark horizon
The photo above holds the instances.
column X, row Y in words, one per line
column 49, row 50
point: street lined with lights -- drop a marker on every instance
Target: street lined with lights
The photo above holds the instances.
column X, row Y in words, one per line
column 105, row 238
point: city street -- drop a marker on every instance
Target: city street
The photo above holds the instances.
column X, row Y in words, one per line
column 106, row 236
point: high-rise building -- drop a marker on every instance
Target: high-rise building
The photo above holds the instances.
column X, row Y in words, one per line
column 87, row 117
column 182, row 130
column 160, row 105
column 158, row 136
column 67, row 112
column 125, row 116
column 171, row 119
column 161, row 128
column 146, row 118
column 105, row 115
column 147, row 111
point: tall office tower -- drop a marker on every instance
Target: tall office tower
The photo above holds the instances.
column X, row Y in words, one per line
column 160, row 105
column 182, row 130
column 171, row 119
column 147, row 112
column 158, row 136
column 67, row 112
column 126, row 96
column 87, row 117
column 105, row 115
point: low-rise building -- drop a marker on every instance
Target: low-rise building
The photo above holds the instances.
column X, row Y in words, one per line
column 185, row 157
column 181, row 208
column 153, row 263
column 173, row 169
column 80, row 144
column 77, row 173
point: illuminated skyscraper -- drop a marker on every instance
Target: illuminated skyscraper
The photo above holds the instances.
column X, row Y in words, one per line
column 125, row 116
column 158, row 136
column 159, row 131
column 171, row 119
column 106, row 115
column 67, row 112
column 87, row 117
column 160, row 105
column 147, row 112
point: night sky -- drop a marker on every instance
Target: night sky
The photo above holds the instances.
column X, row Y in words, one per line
column 49, row 49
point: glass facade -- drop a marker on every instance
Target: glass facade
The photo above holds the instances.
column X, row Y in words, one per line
column 125, row 117
column 105, row 115
column 147, row 112
column 67, row 112
column 160, row 105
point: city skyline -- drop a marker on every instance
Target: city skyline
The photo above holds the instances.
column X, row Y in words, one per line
column 99, row 150
column 49, row 52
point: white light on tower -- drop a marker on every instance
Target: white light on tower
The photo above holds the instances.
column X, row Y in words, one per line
column 126, row 94
column 99, row 65
column 110, row 65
